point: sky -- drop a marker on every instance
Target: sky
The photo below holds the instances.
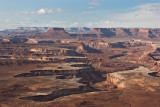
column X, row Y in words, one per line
column 79, row 13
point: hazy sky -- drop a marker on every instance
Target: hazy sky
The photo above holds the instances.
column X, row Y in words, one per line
column 75, row 13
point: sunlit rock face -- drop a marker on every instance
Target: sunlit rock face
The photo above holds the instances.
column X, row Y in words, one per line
column 115, row 80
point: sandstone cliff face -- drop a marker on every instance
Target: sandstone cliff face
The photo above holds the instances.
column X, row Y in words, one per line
column 97, row 44
column 80, row 49
column 106, row 32
column 134, row 31
column 95, row 31
column 116, row 80
column 119, row 31
column 5, row 40
column 55, row 31
column 32, row 41
column 85, row 48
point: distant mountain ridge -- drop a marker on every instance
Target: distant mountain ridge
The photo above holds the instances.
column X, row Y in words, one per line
column 79, row 30
column 28, row 29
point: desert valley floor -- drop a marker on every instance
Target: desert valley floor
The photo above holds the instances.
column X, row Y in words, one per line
column 58, row 69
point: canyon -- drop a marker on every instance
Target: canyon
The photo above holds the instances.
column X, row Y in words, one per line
column 80, row 67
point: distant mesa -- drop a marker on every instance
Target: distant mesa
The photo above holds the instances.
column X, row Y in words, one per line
column 144, row 33
column 65, row 33
column 57, row 33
